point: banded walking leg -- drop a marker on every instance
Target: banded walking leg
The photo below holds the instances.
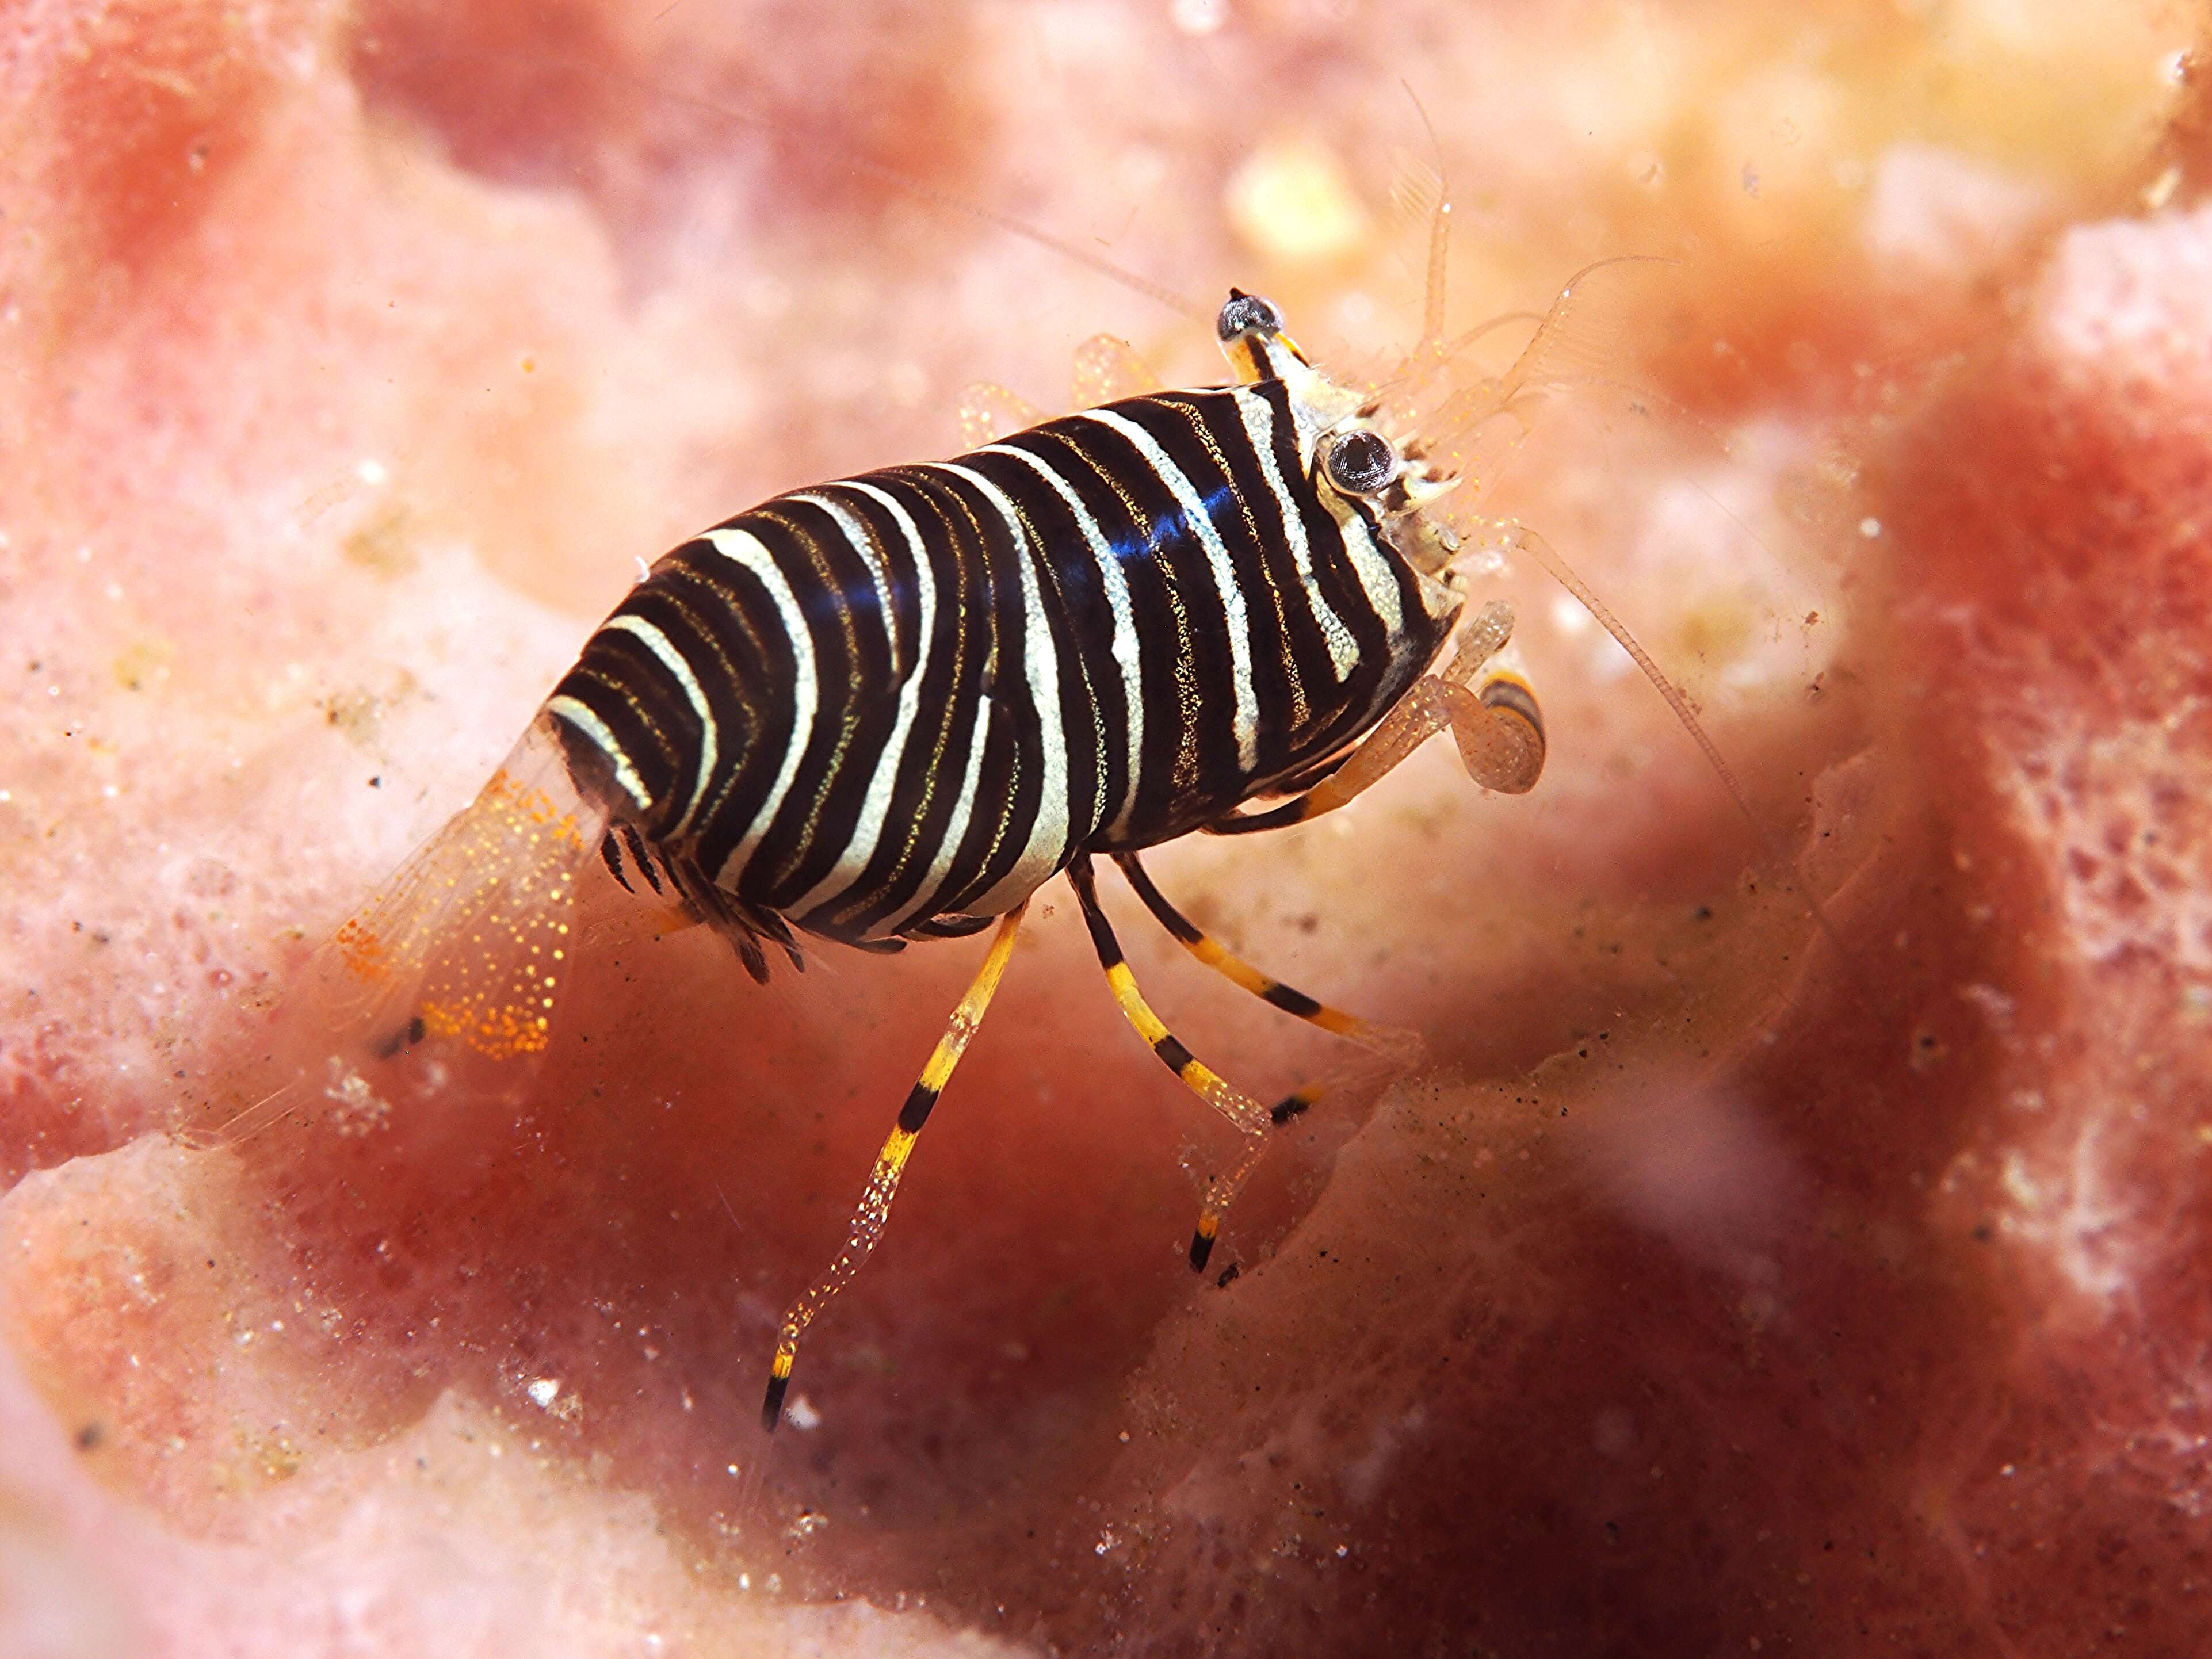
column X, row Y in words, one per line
column 875, row 1205
column 1401, row 1045
column 1498, row 727
column 1250, row 1117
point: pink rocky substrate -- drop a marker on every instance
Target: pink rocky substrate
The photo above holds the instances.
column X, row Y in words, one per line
column 1728, row 1287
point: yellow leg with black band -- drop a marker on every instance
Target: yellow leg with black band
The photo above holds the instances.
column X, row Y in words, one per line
column 1250, row 1118
column 1296, row 1103
column 1384, row 1039
column 874, row 1208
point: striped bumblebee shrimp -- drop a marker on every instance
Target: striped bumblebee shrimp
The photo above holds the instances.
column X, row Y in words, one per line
column 888, row 709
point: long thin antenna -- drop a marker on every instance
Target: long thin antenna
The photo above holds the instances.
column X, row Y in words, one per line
column 1559, row 345
column 1044, row 239
column 951, row 202
column 1432, row 305
column 869, row 166
column 1676, row 699
column 1520, row 537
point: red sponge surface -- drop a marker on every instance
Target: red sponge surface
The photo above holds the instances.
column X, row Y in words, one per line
column 1796, row 1243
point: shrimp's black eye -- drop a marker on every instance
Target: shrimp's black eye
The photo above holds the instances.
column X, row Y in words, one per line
column 1360, row 462
column 1246, row 313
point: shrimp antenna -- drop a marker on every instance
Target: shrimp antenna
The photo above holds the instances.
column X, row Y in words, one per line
column 1432, row 304
column 1520, row 538
column 905, row 182
column 1089, row 260
column 952, row 201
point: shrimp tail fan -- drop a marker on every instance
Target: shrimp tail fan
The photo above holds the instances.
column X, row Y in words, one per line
column 449, row 975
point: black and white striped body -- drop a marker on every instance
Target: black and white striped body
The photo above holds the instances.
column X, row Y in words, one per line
column 876, row 708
